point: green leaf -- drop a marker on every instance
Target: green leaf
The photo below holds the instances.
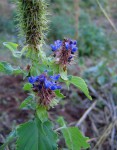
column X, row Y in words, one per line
column 74, row 139
column 63, row 73
column 13, row 48
column 26, row 102
column 59, row 94
column 61, row 122
column 80, row 83
column 35, row 69
column 54, row 67
column 42, row 113
column 27, row 87
column 53, row 103
column 35, row 135
column 8, row 69
column 73, row 136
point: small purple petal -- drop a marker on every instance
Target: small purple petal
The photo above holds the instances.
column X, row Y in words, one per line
column 32, row 80
column 55, row 77
column 47, row 84
column 74, row 49
column 71, row 42
column 53, row 87
column 41, row 78
column 37, row 78
column 75, row 42
column 58, row 42
column 66, row 45
column 54, row 48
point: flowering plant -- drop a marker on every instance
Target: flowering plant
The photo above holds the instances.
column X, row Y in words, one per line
column 44, row 75
column 64, row 51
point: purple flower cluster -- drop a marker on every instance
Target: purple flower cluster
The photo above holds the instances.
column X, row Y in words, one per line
column 42, row 80
column 44, row 87
column 64, row 50
column 71, row 45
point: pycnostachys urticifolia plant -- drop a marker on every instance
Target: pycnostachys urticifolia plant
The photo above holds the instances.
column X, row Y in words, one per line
column 44, row 76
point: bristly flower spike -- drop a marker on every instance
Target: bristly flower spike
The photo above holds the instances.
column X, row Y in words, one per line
column 32, row 20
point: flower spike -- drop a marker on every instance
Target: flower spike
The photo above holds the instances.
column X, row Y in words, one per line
column 64, row 51
column 44, row 87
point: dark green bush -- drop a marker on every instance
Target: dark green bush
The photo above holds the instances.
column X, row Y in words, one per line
column 60, row 27
column 92, row 40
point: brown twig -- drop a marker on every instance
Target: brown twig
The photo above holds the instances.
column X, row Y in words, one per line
column 86, row 114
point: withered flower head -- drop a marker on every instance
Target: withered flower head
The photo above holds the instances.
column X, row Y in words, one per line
column 44, row 87
column 64, row 51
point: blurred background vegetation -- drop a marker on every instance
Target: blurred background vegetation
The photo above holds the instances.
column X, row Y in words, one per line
column 96, row 63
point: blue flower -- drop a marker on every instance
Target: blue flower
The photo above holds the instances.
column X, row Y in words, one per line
column 47, row 84
column 75, row 42
column 64, row 51
column 53, row 87
column 41, row 78
column 55, row 77
column 67, row 45
column 74, row 49
column 44, row 87
column 57, row 44
column 32, row 79
column 53, row 47
column 71, row 42
column 43, row 81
